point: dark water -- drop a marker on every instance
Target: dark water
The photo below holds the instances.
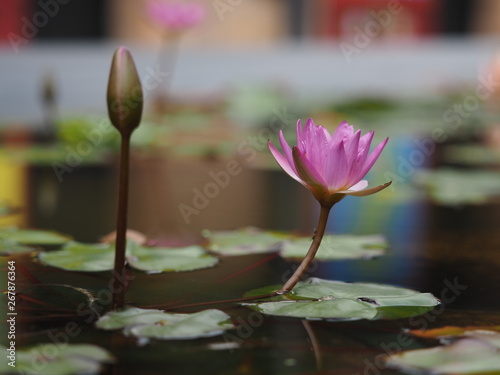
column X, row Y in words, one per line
column 450, row 252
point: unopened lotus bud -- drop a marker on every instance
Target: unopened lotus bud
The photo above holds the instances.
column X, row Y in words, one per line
column 125, row 96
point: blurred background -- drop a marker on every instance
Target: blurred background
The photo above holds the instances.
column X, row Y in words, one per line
column 218, row 86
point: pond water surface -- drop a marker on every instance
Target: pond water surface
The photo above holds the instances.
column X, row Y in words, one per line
column 450, row 252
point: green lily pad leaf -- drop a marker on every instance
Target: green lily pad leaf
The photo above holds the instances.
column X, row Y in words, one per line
column 367, row 301
column 474, row 355
column 152, row 259
column 8, row 247
column 319, row 288
column 405, row 306
column 451, row 187
column 33, row 237
column 340, row 308
column 475, row 155
column 76, row 256
column 243, row 241
column 160, row 325
column 337, row 247
column 51, row 359
column 129, row 316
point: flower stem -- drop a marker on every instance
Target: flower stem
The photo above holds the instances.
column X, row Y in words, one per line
column 306, row 262
column 119, row 276
column 316, row 347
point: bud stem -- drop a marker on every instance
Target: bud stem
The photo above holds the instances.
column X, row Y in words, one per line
column 308, row 259
column 121, row 225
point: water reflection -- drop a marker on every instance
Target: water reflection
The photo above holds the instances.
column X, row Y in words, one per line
column 432, row 249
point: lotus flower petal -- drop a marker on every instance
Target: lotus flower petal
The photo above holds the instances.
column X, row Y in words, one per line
column 175, row 14
column 286, row 150
column 372, row 158
column 363, row 184
column 330, row 166
column 284, row 163
column 307, row 172
column 365, row 192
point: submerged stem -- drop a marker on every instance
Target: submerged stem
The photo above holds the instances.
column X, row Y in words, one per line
column 316, row 347
column 121, row 226
column 306, row 262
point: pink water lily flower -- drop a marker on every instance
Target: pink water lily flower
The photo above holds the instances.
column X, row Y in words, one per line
column 175, row 15
column 331, row 166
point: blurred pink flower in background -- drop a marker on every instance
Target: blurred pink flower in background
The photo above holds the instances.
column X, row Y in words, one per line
column 175, row 15
column 330, row 166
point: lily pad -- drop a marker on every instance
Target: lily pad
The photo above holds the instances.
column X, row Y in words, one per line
column 255, row 241
column 100, row 257
column 340, row 308
column 451, row 187
column 171, row 260
column 77, row 256
column 53, row 359
column 337, row 247
column 471, row 155
column 317, row 298
column 8, row 247
column 243, row 241
column 161, row 325
column 33, row 237
column 477, row 354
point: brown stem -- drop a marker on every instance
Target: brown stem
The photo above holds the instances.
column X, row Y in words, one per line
column 306, row 262
column 316, row 347
column 119, row 276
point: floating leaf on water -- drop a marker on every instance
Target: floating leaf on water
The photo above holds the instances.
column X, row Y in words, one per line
column 337, row 247
column 340, row 308
column 455, row 187
column 8, row 247
column 153, row 259
column 352, row 301
column 476, row 155
column 76, row 256
column 161, row 325
column 477, row 354
column 128, row 317
column 33, row 237
column 243, row 241
column 46, row 155
column 52, row 359
column 254, row 241
column 73, row 130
